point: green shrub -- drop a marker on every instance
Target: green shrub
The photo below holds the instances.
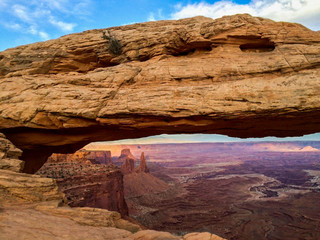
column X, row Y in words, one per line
column 114, row 46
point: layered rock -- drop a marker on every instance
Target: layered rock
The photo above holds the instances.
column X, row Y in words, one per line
column 78, row 156
column 100, row 157
column 125, row 154
column 128, row 166
column 84, row 156
column 9, row 156
column 86, row 184
column 238, row 75
column 143, row 164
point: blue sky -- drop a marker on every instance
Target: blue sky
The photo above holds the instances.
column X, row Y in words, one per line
column 27, row 21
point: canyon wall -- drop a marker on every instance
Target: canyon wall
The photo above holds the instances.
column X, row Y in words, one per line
column 237, row 75
column 86, row 183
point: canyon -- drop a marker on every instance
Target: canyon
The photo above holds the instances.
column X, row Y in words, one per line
column 238, row 190
column 250, row 190
column 238, row 75
column 235, row 190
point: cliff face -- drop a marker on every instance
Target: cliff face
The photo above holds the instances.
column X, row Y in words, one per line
column 86, row 184
column 238, row 75
column 95, row 157
column 128, row 166
column 125, row 154
column 99, row 191
column 100, row 157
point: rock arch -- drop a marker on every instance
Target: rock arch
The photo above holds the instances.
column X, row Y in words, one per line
column 59, row 95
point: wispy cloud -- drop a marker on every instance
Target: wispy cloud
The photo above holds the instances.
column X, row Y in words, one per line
column 13, row 26
column 22, row 13
column 37, row 17
column 44, row 35
column 306, row 12
column 67, row 27
column 151, row 17
column 157, row 15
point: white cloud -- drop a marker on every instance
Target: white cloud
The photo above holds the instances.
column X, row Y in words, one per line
column 155, row 16
column 13, row 26
column 33, row 30
column 3, row 3
column 306, row 12
column 66, row 27
column 44, row 35
column 151, row 17
column 22, row 12
column 36, row 17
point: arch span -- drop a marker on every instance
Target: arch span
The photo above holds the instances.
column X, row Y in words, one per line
column 59, row 95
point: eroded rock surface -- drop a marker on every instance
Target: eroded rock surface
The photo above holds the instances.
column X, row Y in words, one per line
column 86, row 184
column 9, row 156
column 238, row 75
column 125, row 154
column 143, row 164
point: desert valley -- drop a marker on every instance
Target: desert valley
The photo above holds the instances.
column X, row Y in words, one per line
column 238, row 190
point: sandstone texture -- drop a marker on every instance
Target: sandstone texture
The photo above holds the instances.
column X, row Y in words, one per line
column 87, row 184
column 9, row 156
column 143, row 164
column 237, row 75
column 128, row 166
column 95, row 157
column 125, row 154
column 100, row 157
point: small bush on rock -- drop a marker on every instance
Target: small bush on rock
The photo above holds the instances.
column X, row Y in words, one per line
column 114, row 44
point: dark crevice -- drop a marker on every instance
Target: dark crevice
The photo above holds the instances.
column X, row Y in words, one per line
column 258, row 45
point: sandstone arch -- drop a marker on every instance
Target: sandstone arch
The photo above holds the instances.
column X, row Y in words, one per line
column 182, row 76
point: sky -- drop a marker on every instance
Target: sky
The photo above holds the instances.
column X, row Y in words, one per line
column 196, row 138
column 28, row 21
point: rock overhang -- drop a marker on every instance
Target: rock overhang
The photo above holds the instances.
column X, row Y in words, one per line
column 238, row 75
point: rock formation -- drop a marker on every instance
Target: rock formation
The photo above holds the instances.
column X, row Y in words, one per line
column 125, row 154
column 9, row 156
column 128, row 166
column 100, row 157
column 237, row 75
column 143, row 164
column 84, row 156
column 86, row 184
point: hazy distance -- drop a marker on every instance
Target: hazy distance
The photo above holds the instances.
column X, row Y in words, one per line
column 196, row 138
